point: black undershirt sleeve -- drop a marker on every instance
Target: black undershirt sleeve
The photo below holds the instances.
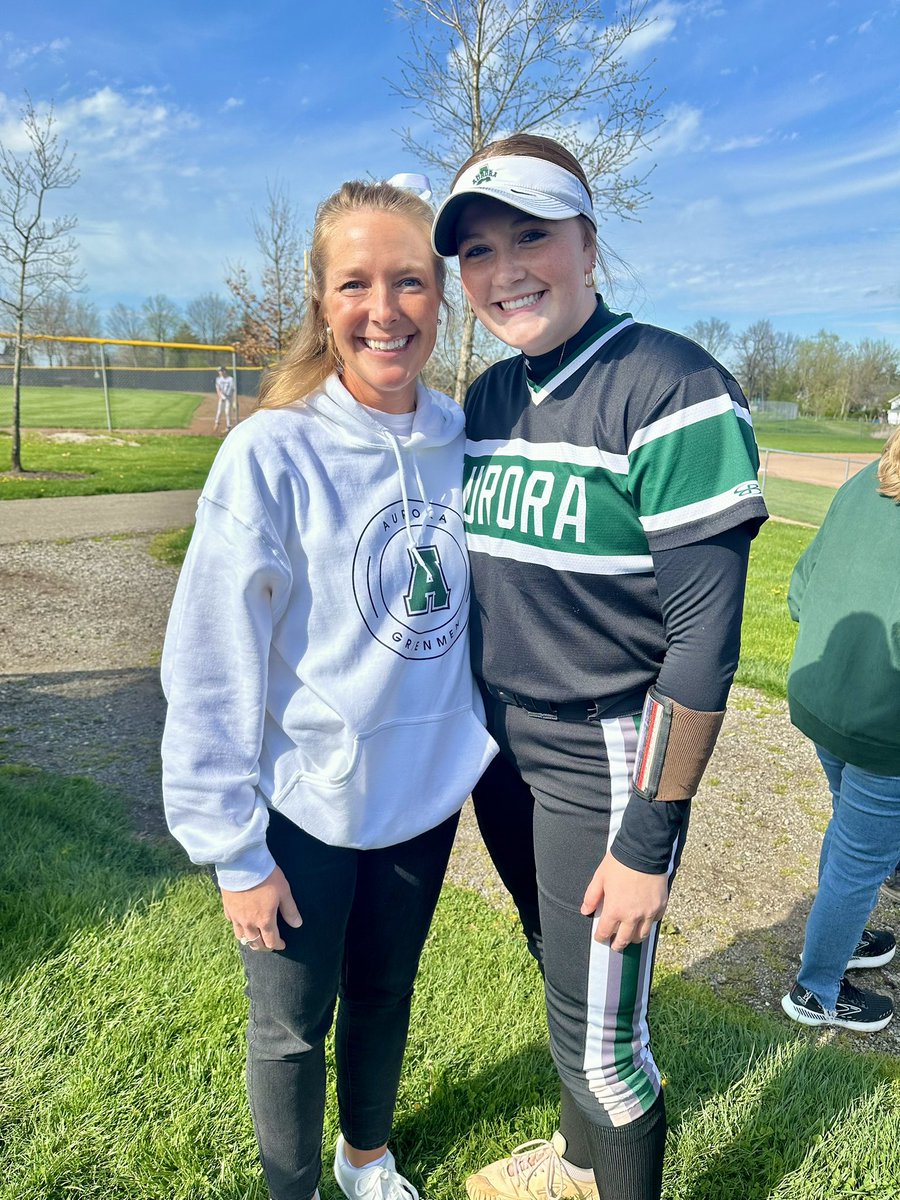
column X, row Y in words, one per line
column 701, row 593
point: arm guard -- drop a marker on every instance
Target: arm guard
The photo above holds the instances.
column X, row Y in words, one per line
column 674, row 745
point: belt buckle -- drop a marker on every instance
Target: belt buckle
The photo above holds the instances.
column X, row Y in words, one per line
column 544, row 710
column 593, row 711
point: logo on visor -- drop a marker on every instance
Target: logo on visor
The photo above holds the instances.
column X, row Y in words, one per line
column 485, row 175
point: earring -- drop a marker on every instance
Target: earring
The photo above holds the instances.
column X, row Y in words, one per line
column 439, row 321
column 589, row 278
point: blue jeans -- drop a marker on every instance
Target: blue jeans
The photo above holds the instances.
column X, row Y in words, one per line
column 859, row 851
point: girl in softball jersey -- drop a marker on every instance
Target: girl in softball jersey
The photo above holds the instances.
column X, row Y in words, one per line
column 323, row 727
column 610, row 501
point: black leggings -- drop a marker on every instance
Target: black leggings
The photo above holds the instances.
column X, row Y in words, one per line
column 366, row 914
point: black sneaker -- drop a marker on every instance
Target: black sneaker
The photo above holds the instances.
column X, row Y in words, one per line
column 875, row 948
column 866, row 1012
column 890, row 889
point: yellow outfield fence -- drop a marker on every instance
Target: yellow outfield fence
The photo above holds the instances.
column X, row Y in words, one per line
column 112, row 364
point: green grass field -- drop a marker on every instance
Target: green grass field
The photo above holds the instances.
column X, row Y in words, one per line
column 143, row 463
column 807, row 502
column 84, row 408
column 768, row 633
column 121, row 1038
column 818, row 437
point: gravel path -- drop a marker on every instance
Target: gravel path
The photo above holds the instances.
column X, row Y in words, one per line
column 81, row 626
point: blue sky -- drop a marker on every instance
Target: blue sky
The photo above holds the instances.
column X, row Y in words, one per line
column 776, row 188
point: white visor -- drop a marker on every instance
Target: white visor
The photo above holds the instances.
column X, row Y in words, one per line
column 531, row 185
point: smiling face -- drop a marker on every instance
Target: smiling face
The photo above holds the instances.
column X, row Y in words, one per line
column 381, row 299
column 524, row 276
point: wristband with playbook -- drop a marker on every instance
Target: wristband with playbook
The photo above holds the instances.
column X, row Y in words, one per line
column 674, row 745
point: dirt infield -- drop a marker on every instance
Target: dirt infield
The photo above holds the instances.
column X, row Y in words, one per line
column 828, row 470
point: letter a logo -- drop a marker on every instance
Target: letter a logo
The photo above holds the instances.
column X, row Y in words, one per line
column 428, row 590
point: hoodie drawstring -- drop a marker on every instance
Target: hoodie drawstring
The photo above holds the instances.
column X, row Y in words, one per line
column 404, row 492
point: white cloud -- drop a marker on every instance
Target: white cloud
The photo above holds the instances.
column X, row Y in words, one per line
column 20, row 55
column 661, row 20
column 805, row 170
column 829, row 41
column 866, row 25
column 681, row 131
column 232, row 102
column 816, row 197
column 110, row 126
column 742, row 143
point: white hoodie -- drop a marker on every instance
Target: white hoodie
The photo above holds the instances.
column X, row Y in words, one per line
column 316, row 659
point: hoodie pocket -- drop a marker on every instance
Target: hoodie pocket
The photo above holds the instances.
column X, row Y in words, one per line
column 400, row 779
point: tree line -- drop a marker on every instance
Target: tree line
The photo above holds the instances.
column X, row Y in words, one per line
column 206, row 320
column 825, row 375
column 474, row 69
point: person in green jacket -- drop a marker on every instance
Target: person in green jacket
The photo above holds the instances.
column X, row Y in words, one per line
column 844, row 694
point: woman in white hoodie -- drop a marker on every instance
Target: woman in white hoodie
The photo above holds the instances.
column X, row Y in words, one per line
column 323, row 729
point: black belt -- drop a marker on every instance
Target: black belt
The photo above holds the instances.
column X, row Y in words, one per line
column 546, row 710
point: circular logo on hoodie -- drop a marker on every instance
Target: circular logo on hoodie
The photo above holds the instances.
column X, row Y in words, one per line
column 413, row 593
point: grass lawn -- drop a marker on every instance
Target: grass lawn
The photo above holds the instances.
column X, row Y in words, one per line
column 170, row 547
column 768, row 633
column 145, row 463
column 84, row 408
column 122, row 1043
column 817, row 437
column 807, row 502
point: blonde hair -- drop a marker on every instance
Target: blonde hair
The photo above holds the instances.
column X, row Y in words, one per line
column 889, row 468
column 311, row 357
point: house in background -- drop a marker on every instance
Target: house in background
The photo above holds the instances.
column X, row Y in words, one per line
column 894, row 411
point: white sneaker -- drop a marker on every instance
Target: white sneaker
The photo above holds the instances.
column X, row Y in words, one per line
column 383, row 1182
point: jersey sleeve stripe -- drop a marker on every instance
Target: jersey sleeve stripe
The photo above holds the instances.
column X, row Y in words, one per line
column 713, row 407
column 701, row 508
column 559, row 560
column 544, row 452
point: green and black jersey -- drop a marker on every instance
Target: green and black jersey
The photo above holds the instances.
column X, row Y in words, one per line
column 636, row 442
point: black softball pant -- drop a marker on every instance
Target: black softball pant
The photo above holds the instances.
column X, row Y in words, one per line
column 549, row 807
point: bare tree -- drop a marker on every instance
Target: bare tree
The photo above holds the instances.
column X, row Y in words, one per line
column 754, row 354
column 785, row 380
column 713, row 335
column 162, row 317
column 62, row 314
column 480, row 68
column 210, row 318
column 444, row 362
column 268, row 317
column 37, row 253
column 126, row 324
